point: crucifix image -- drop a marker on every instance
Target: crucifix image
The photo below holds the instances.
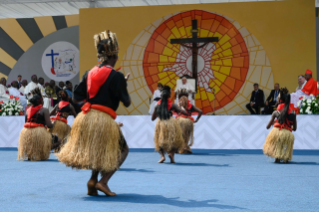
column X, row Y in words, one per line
column 194, row 47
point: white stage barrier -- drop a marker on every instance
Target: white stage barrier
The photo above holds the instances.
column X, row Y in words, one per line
column 211, row 132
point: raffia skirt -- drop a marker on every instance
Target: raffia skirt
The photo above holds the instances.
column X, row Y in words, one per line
column 187, row 127
column 95, row 143
column 168, row 135
column 279, row 144
column 35, row 144
column 62, row 130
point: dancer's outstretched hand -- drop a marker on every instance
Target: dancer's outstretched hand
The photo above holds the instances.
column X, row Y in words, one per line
column 127, row 76
column 120, row 124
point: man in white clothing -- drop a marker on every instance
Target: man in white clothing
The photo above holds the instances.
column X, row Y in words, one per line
column 24, row 84
column 301, row 82
column 32, row 85
column 16, row 93
column 156, row 97
column 185, row 86
column 4, row 92
column 46, row 100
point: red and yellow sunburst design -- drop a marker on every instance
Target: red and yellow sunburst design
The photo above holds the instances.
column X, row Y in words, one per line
column 222, row 65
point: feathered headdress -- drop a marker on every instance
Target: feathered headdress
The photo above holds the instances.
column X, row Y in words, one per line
column 106, row 44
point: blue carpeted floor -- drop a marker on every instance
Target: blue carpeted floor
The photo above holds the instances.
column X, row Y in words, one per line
column 208, row 180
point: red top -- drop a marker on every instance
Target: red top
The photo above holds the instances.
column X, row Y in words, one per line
column 96, row 77
column 288, row 123
column 169, row 103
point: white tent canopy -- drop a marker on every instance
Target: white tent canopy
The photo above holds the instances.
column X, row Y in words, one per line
column 34, row 8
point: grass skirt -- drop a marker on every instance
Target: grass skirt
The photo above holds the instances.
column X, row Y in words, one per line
column 60, row 129
column 187, row 127
column 94, row 143
column 34, row 144
column 168, row 135
column 279, row 144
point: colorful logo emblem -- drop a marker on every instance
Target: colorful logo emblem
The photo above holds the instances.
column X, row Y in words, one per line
column 60, row 61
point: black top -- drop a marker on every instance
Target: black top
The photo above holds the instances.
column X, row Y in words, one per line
column 110, row 93
column 289, row 119
column 65, row 111
column 189, row 111
column 38, row 118
column 257, row 97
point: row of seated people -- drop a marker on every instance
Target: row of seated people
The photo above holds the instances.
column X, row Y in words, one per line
column 257, row 100
column 307, row 86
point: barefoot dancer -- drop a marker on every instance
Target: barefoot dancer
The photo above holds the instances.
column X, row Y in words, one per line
column 96, row 141
column 61, row 112
column 35, row 142
column 187, row 123
column 168, row 134
column 279, row 142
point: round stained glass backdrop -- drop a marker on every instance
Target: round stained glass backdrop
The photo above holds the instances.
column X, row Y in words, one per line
column 222, row 66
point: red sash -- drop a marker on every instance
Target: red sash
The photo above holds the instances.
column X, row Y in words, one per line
column 87, row 107
column 59, row 118
column 282, row 126
column 32, row 125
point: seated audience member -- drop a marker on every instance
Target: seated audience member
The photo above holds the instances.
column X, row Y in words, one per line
column 256, row 100
column 24, row 84
column 51, row 92
column 185, row 86
column 301, row 82
column 4, row 92
column 69, row 88
column 16, row 93
column 31, row 86
column 156, row 97
column 308, row 89
column 271, row 100
column 59, row 88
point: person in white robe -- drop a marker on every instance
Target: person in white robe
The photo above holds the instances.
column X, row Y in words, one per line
column 16, row 93
column 32, row 85
column 4, row 92
column 156, row 98
column 46, row 101
column 24, row 84
column 185, row 86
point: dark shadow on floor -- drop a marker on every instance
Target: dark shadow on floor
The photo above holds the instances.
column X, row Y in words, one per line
column 43, row 161
column 198, row 164
column 303, row 163
column 208, row 154
column 159, row 199
column 8, row 149
column 135, row 170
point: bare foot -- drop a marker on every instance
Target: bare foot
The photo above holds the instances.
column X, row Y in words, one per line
column 286, row 161
column 91, row 187
column 172, row 158
column 105, row 189
column 161, row 160
column 277, row 160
